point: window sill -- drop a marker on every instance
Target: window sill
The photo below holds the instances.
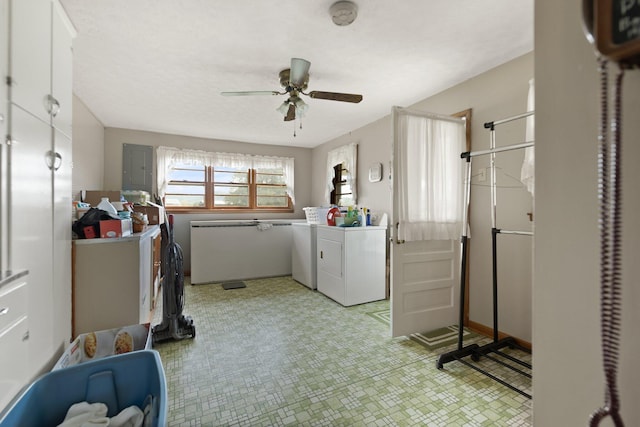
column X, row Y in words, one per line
column 225, row 211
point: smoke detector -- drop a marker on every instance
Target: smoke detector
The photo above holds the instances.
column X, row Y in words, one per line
column 343, row 12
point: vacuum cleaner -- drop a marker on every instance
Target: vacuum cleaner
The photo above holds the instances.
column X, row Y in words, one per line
column 174, row 324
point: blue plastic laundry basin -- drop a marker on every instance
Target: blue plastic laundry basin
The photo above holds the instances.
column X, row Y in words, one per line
column 135, row 378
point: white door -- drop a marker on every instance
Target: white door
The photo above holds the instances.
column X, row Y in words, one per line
column 424, row 273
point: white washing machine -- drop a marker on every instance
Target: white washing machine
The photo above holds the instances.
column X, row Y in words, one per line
column 303, row 254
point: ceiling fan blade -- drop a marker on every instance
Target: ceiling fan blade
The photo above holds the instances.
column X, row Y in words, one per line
column 291, row 113
column 251, row 93
column 299, row 71
column 334, row 96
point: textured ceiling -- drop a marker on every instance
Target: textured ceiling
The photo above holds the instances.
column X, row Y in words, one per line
column 160, row 65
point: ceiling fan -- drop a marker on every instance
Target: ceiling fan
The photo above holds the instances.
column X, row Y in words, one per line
column 294, row 80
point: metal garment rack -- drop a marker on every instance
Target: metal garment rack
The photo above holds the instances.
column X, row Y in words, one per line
column 492, row 349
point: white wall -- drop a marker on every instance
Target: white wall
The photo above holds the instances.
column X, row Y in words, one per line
column 567, row 382
column 88, row 146
column 496, row 94
column 114, row 138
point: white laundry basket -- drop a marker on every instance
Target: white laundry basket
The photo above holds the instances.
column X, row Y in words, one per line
column 316, row 215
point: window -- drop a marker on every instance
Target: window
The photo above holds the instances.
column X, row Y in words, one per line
column 187, row 185
column 222, row 181
column 341, row 194
column 345, row 157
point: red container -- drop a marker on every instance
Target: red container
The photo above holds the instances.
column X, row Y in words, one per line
column 331, row 216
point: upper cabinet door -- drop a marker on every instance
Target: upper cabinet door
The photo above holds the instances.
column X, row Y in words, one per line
column 61, row 73
column 31, row 56
column 4, row 65
column 4, row 52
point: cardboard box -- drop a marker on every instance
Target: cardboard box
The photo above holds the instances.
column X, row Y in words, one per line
column 94, row 197
column 99, row 344
column 155, row 213
column 116, row 228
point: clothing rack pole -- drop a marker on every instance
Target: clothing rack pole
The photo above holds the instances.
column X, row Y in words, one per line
column 463, row 255
column 498, row 149
column 494, row 248
column 493, row 124
column 461, row 351
column 510, row 342
column 473, row 350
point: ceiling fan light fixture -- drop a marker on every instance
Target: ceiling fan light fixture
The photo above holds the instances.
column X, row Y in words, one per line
column 343, row 13
column 283, row 108
column 301, row 107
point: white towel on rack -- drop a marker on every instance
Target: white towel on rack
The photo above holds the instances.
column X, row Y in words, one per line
column 264, row 226
column 527, row 173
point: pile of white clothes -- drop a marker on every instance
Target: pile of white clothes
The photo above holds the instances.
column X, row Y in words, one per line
column 85, row 414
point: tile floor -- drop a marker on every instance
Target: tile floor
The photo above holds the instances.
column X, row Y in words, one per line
column 278, row 354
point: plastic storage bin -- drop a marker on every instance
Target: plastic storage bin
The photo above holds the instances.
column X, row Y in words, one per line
column 99, row 344
column 120, row 381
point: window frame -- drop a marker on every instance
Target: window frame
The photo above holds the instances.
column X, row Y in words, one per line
column 209, row 193
column 339, row 182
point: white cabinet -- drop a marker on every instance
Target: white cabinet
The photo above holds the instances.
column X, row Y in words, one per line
column 62, row 198
column 113, row 281
column 35, row 50
column 31, row 56
column 31, row 246
column 62, row 33
column 303, row 254
column 351, row 263
column 4, row 64
column 4, row 99
column 14, row 336
column 41, row 61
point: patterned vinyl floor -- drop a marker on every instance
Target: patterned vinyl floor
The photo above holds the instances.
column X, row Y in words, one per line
column 278, row 354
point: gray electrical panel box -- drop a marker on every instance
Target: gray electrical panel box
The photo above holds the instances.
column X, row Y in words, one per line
column 137, row 167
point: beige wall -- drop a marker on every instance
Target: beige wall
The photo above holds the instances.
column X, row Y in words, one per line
column 114, row 138
column 496, row 94
column 88, row 149
column 567, row 382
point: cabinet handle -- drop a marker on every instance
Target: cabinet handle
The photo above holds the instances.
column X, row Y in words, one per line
column 54, row 160
column 321, row 254
column 4, row 310
column 56, row 107
column 52, row 105
column 25, row 336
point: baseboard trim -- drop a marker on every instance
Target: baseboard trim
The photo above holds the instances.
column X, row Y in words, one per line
column 488, row 331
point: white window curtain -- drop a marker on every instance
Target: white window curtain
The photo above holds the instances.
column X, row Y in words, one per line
column 168, row 157
column 430, row 174
column 527, row 172
column 286, row 163
column 347, row 154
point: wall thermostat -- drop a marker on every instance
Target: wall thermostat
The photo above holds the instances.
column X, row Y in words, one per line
column 375, row 172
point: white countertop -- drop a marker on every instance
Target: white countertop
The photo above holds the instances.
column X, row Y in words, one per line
column 354, row 229
column 150, row 231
